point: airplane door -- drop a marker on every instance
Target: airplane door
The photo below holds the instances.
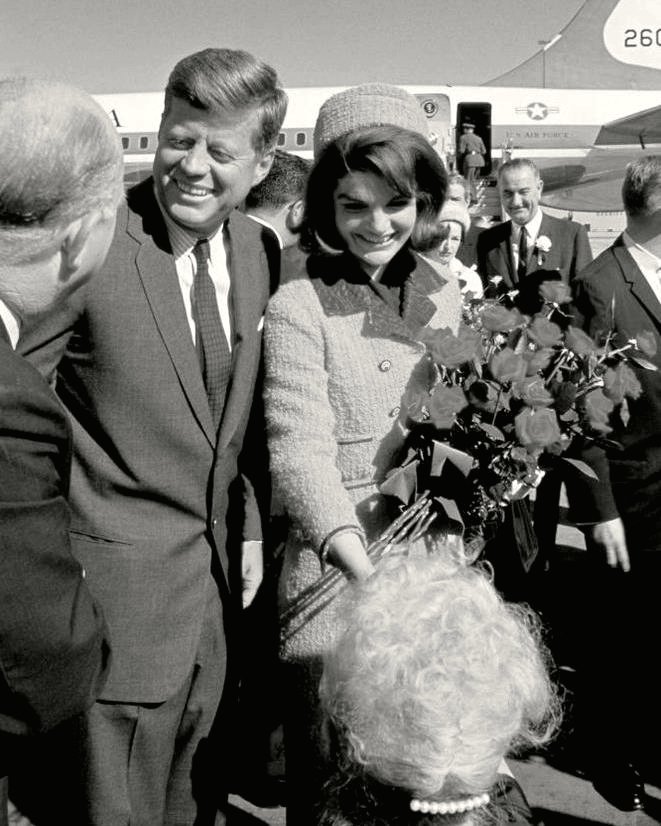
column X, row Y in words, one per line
column 437, row 109
column 480, row 115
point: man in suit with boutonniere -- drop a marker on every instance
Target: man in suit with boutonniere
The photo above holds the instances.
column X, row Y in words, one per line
column 531, row 239
column 619, row 295
column 159, row 377
column 509, row 256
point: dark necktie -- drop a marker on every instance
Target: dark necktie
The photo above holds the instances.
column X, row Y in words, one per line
column 215, row 356
column 523, row 255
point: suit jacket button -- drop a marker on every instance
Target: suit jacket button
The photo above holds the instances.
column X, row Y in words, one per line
column 395, row 412
column 214, row 522
column 385, row 365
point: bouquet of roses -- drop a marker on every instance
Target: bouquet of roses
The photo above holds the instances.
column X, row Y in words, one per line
column 493, row 407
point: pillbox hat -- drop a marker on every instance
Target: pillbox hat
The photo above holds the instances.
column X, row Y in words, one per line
column 372, row 104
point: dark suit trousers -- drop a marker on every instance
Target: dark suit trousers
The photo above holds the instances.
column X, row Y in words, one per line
column 619, row 687
column 147, row 765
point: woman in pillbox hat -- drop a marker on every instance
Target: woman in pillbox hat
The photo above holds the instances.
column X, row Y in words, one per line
column 342, row 339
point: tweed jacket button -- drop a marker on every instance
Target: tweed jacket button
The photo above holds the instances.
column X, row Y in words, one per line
column 385, row 365
column 214, row 522
column 395, row 412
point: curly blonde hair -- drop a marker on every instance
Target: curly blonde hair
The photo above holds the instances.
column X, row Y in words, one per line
column 435, row 678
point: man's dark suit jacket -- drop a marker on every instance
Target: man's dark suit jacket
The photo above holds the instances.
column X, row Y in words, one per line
column 52, row 648
column 570, row 251
column 613, row 295
column 155, row 489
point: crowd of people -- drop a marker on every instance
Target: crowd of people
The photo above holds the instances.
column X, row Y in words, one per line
column 200, row 395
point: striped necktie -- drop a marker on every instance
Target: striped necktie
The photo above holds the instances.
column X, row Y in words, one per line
column 211, row 343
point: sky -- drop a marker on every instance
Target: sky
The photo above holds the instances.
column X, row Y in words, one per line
column 131, row 45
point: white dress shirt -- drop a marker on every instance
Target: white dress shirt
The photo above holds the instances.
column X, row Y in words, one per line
column 11, row 323
column 648, row 263
column 182, row 242
column 532, row 231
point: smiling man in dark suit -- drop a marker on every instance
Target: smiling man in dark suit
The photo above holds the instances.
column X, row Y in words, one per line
column 530, row 240
column 158, row 378
column 619, row 295
column 60, row 183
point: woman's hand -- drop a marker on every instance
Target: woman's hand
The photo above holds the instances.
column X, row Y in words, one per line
column 347, row 552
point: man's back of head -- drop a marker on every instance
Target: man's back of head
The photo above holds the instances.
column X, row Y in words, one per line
column 278, row 199
column 60, row 184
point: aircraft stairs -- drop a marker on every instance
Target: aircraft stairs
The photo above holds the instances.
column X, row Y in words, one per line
column 487, row 208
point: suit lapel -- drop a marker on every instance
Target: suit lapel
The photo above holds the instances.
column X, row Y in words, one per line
column 4, row 335
column 158, row 275
column 505, row 264
column 637, row 282
column 249, row 293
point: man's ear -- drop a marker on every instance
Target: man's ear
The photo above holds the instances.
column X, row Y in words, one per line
column 263, row 166
column 73, row 243
column 295, row 214
column 541, row 186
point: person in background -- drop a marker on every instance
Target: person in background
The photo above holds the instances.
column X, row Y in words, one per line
column 158, row 379
column 471, row 151
column 60, row 184
column 342, row 337
column 433, row 680
column 277, row 202
column 531, row 239
column 459, row 191
column 619, row 296
column 454, row 220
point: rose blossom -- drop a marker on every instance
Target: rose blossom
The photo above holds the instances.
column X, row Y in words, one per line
column 579, row 342
column 646, row 344
column 555, row 292
column 621, row 381
column 506, row 365
column 498, row 319
column 544, row 332
column 597, row 408
column 537, row 360
column 450, row 350
column 532, row 392
column 444, row 405
column 538, row 428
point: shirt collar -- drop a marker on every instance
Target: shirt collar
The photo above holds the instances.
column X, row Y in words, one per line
column 182, row 240
column 532, row 227
column 11, row 323
column 268, row 226
column 646, row 260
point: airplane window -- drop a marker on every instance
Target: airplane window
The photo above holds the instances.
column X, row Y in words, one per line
column 281, row 139
column 144, row 143
column 125, row 143
column 300, row 138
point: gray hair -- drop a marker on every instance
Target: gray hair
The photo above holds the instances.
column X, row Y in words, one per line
column 234, row 80
column 518, row 164
column 642, row 180
column 61, row 159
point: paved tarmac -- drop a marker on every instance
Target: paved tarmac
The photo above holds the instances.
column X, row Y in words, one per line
column 557, row 798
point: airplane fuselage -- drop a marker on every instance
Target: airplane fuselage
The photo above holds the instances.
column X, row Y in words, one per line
column 559, row 129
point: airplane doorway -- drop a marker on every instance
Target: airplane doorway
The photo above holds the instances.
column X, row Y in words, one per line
column 478, row 114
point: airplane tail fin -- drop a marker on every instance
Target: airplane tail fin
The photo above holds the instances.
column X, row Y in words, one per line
column 608, row 44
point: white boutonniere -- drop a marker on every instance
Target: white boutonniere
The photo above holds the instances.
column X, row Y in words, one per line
column 542, row 247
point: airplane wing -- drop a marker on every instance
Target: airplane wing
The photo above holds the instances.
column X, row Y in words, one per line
column 642, row 127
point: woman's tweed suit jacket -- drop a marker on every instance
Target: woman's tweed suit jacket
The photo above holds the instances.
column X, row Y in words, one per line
column 338, row 358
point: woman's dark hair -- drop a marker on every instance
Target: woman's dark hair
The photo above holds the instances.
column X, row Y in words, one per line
column 407, row 163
